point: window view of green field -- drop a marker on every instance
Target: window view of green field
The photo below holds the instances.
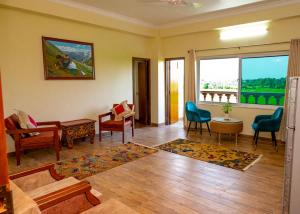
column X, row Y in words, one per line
column 263, row 80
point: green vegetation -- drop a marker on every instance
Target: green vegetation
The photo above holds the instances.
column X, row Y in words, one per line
column 264, row 86
column 55, row 71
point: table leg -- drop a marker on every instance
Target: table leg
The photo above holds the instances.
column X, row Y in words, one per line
column 236, row 139
column 92, row 136
column 219, row 136
column 69, row 142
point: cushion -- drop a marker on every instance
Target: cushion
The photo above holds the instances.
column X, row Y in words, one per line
column 44, row 138
column 112, row 206
column 27, row 122
column 121, row 110
column 113, row 123
column 23, row 204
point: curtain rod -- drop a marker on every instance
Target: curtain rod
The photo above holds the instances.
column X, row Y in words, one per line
column 243, row 46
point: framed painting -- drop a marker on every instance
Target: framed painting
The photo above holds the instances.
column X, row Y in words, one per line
column 68, row 60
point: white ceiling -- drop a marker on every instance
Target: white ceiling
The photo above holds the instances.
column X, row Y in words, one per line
column 155, row 13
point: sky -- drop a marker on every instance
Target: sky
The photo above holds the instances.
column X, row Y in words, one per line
column 71, row 47
column 264, row 67
column 219, row 69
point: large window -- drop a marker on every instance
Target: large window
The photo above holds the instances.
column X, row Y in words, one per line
column 250, row 80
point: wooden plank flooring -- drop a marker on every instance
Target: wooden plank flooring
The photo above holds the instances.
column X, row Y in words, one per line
column 170, row 183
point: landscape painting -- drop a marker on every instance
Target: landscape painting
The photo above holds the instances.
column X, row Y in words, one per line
column 66, row 59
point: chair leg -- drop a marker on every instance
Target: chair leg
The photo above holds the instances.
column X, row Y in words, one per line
column 201, row 128
column 275, row 141
column 257, row 135
column 188, row 128
column 57, row 154
column 132, row 130
column 100, row 136
column 208, row 128
column 254, row 137
column 111, row 133
column 123, row 137
column 18, row 154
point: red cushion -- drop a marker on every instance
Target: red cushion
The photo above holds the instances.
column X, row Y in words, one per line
column 119, row 109
column 32, row 121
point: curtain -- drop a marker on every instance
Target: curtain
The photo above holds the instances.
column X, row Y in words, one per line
column 190, row 80
column 293, row 70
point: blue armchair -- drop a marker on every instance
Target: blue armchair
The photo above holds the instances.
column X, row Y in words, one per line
column 268, row 123
column 194, row 114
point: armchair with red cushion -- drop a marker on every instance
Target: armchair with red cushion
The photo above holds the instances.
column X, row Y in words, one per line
column 112, row 125
column 48, row 137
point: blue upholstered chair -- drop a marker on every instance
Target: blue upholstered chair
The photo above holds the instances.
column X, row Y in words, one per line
column 194, row 114
column 268, row 123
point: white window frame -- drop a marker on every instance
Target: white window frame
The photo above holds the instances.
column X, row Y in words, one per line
column 240, row 56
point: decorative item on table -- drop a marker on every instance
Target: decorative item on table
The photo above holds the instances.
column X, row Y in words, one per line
column 227, row 107
column 66, row 59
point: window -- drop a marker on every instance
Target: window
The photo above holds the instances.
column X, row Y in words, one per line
column 219, row 80
column 261, row 79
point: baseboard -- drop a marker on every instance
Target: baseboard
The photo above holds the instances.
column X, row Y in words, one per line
column 157, row 124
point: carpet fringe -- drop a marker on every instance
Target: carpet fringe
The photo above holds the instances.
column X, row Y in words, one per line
column 253, row 162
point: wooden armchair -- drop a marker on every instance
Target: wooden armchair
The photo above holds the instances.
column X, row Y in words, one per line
column 112, row 125
column 49, row 136
column 49, row 193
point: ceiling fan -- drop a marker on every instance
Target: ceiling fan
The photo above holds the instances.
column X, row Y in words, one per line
column 187, row 3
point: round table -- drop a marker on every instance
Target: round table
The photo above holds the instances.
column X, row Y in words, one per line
column 221, row 125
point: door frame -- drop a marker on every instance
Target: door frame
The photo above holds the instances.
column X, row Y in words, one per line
column 167, row 87
column 148, row 62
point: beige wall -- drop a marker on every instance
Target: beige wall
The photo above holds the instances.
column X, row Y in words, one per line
column 279, row 31
column 21, row 63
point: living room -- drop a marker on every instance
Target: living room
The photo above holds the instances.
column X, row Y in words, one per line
column 152, row 179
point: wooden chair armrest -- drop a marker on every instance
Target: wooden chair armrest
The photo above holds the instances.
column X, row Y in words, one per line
column 128, row 115
column 104, row 115
column 46, row 123
column 66, row 193
column 24, row 131
column 49, row 167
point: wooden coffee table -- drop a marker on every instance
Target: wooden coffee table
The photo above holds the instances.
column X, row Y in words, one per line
column 77, row 129
column 223, row 126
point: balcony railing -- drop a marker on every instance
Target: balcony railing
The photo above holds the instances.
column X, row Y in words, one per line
column 219, row 96
column 266, row 95
column 248, row 97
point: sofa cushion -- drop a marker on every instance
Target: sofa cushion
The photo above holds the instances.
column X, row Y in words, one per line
column 112, row 206
column 23, row 204
column 44, row 138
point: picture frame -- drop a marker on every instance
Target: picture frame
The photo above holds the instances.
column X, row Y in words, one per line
column 68, row 59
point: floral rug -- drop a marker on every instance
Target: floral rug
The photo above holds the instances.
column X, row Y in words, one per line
column 90, row 164
column 211, row 153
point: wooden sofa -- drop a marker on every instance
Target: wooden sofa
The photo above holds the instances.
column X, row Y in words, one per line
column 41, row 190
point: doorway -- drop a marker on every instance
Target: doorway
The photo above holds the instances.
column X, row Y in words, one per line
column 174, row 68
column 141, row 90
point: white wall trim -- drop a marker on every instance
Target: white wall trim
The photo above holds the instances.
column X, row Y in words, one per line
column 232, row 12
column 104, row 13
column 198, row 18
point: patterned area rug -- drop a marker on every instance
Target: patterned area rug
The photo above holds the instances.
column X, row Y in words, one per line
column 91, row 164
column 210, row 153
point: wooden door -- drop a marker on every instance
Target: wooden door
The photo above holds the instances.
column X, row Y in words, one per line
column 142, row 91
column 173, row 96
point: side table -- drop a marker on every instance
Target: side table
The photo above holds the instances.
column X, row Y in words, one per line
column 222, row 126
column 77, row 129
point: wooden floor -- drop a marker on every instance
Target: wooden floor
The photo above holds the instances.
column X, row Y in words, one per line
column 169, row 183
